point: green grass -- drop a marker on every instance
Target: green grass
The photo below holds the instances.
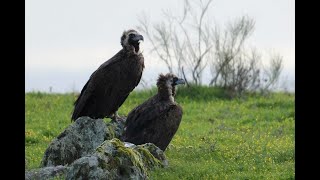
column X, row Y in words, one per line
column 218, row 138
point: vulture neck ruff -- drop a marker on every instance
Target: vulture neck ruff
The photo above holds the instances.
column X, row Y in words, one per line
column 132, row 50
column 166, row 87
column 166, row 93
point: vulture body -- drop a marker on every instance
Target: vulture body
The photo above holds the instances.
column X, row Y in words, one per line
column 157, row 119
column 109, row 86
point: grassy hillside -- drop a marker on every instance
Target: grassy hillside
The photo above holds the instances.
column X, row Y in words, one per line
column 218, row 138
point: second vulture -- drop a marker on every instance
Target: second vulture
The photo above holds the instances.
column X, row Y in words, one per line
column 157, row 119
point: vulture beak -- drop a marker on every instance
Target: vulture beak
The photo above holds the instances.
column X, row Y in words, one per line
column 180, row 81
column 137, row 38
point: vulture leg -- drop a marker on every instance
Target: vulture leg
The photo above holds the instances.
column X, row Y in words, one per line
column 115, row 116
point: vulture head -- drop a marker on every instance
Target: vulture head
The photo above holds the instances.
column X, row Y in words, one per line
column 130, row 40
column 166, row 85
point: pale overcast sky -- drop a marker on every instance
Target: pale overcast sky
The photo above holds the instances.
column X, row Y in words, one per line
column 66, row 40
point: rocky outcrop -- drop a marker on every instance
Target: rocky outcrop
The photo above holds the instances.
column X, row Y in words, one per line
column 91, row 149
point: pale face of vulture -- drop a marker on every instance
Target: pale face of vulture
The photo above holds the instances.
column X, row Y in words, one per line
column 130, row 40
column 166, row 85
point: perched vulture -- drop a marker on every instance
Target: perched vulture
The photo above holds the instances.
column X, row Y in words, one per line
column 109, row 86
column 157, row 119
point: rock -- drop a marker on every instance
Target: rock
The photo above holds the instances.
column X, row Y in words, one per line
column 79, row 139
column 112, row 160
column 91, row 149
column 46, row 173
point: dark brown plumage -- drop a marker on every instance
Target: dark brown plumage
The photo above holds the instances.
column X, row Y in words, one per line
column 157, row 119
column 109, row 86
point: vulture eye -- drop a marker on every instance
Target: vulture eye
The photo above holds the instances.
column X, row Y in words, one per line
column 175, row 79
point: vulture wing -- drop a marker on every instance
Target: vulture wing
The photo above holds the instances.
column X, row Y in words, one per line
column 153, row 122
column 106, row 89
column 144, row 114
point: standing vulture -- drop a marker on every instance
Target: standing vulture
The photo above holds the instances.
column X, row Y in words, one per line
column 157, row 119
column 109, row 86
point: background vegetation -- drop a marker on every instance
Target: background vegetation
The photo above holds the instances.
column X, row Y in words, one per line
column 190, row 42
column 251, row 137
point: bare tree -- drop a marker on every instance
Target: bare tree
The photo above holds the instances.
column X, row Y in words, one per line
column 272, row 73
column 229, row 48
column 182, row 41
column 236, row 68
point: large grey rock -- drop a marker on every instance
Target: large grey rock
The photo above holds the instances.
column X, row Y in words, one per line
column 112, row 160
column 91, row 149
column 79, row 139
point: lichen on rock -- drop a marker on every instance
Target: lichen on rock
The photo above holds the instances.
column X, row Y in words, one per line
column 152, row 155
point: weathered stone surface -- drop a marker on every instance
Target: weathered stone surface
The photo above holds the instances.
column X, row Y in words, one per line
column 79, row 139
column 112, row 160
column 46, row 173
column 91, row 149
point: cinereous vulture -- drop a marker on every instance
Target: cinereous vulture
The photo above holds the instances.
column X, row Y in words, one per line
column 157, row 119
column 109, row 86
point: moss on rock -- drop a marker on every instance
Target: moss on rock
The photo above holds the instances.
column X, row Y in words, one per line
column 117, row 162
